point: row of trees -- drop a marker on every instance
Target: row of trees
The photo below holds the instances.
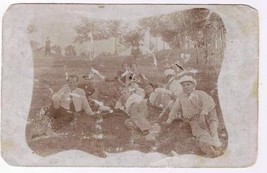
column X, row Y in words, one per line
column 198, row 27
column 55, row 49
column 90, row 30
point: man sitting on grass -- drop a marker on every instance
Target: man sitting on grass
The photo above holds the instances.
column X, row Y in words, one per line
column 68, row 102
column 197, row 108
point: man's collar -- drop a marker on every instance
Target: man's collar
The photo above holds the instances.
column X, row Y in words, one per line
column 171, row 79
column 72, row 89
column 190, row 95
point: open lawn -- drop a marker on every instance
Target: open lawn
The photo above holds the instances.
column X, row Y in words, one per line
column 99, row 135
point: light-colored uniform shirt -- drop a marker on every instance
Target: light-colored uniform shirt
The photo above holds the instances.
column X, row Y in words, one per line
column 159, row 97
column 192, row 105
column 174, row 86
column 134, row 98
column 198, row 102
column 63, row 99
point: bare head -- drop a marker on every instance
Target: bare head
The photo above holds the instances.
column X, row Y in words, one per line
column 73, row 81
column 149, row 89
column 133, row 66
column 124, row 66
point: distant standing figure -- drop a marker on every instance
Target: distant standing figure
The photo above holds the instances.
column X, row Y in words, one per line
column 47, row 47
column 69, row 102
column 197, row 108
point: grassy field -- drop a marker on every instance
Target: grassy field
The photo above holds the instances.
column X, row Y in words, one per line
column 103, row 134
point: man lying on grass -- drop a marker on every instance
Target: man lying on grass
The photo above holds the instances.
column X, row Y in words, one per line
column 159, row 98
column 133, row 103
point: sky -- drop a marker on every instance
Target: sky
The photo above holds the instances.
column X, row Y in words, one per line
column 58, row 21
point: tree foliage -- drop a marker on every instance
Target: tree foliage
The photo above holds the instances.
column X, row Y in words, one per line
column 179, row 25
column 92, row 29
column 132, row 38
column 199, row 26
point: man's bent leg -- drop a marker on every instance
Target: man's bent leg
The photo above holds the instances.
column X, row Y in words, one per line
column 141, row 122
column 208, row 149
column 213, row 123
column 137, row 115
column 203, row 135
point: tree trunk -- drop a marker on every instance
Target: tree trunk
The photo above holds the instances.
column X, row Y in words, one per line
column 157, row 48
column 222, row 43
column 197, row 60
column 92, row 42
column 150, row 46
column 180, row 40
column 115, row 46
column 184, row 20
column 206, row 53
column 93, row 50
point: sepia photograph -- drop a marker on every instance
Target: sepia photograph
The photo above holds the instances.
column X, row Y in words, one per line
column 135, row 80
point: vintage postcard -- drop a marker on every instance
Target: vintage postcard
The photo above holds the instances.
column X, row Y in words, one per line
column 125, row 85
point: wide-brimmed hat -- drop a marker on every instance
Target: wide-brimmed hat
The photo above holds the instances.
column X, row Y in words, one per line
column 110, row 79
column 87, row 76
column 188, row 79
column 169, row 72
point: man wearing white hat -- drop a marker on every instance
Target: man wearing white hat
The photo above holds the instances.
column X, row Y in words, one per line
column 197, row 108
column 173, row 84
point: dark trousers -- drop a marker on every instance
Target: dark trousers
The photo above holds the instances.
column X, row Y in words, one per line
column 61, row 117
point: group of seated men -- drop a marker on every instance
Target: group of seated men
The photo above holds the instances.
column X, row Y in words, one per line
column 178, row 97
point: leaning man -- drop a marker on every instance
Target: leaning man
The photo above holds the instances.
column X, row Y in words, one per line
column 68, row 102
column 197, row 108
column 173, row 84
